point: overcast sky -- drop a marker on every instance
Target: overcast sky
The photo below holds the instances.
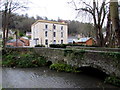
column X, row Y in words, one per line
column 51, row 9
column 54, row 9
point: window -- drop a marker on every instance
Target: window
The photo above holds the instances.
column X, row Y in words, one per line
column 61, row 34
column 45, row 33
column 46, row 42
column 61, row 41
column 61, row 27
column 46, row 26
column 54, row 34
column 54, row 27
column 54, row 42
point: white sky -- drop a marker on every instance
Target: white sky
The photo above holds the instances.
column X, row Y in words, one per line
column 51, row 9
column 54, row 9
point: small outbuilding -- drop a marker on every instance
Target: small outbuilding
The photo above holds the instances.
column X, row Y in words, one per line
column 15, row 43
column 85, row 41
column 21, row 42
column 25, row 40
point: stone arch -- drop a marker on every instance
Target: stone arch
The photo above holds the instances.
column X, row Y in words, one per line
column 95, row 66
column 94, row 71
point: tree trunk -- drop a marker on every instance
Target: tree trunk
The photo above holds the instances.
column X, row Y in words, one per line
column 7, row 24
column 108, row 29
column 4, row 27
column 115, row 19
column 102, row 44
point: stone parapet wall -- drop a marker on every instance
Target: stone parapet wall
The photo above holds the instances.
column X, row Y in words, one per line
column 95, row 48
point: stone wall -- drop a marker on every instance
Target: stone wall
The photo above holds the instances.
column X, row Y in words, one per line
column 95, row 48
column 108, row 62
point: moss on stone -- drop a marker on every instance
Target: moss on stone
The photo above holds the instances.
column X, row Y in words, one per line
column 79, row 54
column 74, row 53
column 111, row 55
column 67, row 52
column 64, row 68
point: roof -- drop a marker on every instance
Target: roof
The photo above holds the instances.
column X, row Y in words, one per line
column 28, row 32
column 25, row 38
column 71, row 38
column 53, row 22
column 82, row 39
column 14, row 40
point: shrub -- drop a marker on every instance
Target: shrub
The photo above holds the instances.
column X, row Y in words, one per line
column 75, row 45
column 41, row 61
column 39, row 46
column 10, row 38
column 65, row 45
column 58, row 45
column 81, row 45
column 21, row 34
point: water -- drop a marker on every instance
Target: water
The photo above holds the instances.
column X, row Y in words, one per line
column 46, row 78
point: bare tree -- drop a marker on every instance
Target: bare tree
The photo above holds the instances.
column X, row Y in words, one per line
column 98, row 11
column 8, row 7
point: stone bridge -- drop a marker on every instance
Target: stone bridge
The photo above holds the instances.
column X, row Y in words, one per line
column 106, row 61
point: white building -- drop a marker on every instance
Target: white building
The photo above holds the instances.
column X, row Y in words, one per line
column 48, row 32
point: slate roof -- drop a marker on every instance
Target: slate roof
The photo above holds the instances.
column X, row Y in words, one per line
column 71, row 39
column 25, row 38
column 14, row 40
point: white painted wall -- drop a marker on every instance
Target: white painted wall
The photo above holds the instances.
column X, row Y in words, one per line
column 38, row 31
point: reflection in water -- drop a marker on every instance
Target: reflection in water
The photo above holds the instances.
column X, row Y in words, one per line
column 45, row 78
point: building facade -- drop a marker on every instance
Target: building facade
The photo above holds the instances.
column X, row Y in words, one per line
column 48, row 32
